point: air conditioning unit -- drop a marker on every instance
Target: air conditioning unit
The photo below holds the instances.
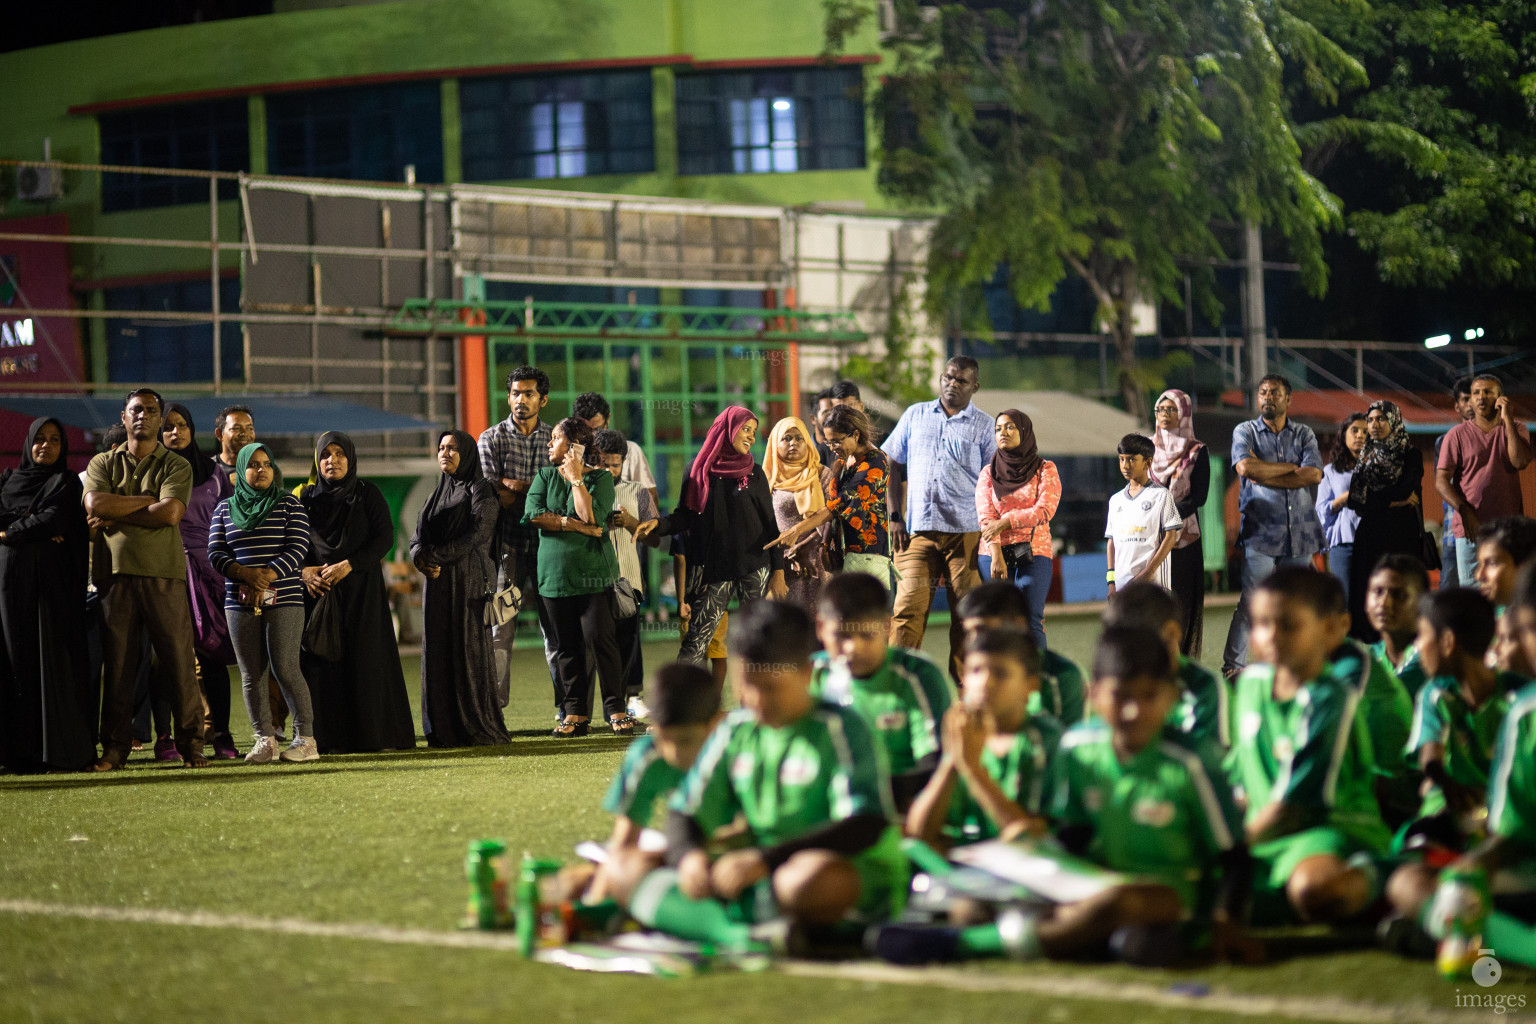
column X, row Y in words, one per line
column 37, row 184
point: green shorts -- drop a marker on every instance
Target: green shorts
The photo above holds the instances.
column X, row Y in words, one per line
column 1276, row 860
column 884, row 879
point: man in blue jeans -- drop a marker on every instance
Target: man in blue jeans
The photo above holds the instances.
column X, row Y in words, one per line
column 1450, row 577
column 1280, row 467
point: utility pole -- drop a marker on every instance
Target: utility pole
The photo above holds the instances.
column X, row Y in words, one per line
column 1255, row 331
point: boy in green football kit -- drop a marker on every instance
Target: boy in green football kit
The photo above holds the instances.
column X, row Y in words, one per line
column 1134, row 797
column 1301, row 755
column 1201, row 712
column 1002, row 605
column 901, row 693
column 1463, row 914
column 1456, row 722
column 1392, row 598
column 809, row 779
column 685, row 708
column 991, row 779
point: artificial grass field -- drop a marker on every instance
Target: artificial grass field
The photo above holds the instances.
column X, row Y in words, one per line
column 380, row 839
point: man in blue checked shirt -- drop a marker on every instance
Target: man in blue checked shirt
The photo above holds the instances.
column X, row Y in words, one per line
column 1280, row 467
column 939, row 448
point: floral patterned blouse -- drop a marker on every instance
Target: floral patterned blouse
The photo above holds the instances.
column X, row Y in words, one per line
column 1027, row 509
column 857, row 498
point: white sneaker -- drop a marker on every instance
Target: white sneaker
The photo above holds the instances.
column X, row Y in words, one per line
column 263, row 751
column 638, row 708
column 301, row 749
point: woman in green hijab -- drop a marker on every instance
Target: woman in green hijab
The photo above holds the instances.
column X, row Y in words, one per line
column 257, row 540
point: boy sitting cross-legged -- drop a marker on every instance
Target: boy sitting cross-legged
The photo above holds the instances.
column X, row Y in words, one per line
column 1456, row 721
column 809, row 779
column 990, row 781
column 685, row 708
column 998, row 604
column 1485, row 899
column 1392, row 605
column 901, row 693
column 1201, row 711
column 1301, row 756
column 1135, row 798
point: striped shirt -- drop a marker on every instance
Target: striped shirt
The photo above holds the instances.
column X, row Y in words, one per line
column 279, row 543
column 508, row 454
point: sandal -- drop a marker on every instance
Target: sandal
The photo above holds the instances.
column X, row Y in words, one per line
column 623, row 724
column 569, row 727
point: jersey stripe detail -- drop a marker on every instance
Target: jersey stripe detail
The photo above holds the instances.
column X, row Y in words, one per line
column 1341, row 743
column 1206, row 792
column 916, row 686
column 1498, row 781
column 633, row 778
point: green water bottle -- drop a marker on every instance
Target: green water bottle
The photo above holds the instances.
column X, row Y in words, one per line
column 1461, row 905
column 486, row 867
column 535, row 912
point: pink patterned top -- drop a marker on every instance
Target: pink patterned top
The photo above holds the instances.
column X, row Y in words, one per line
column 1028, row 509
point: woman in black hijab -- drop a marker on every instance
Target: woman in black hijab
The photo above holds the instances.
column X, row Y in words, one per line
column 360, row 701
column 451, row 548
column 47, row 710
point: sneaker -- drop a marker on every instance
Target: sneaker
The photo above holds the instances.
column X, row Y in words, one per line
column 224, row 749
column 638, row 708
column 165, row 750
column 263, row 751
column 301, row 749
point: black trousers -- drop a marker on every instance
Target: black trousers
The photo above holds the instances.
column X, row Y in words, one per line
column 578, row 621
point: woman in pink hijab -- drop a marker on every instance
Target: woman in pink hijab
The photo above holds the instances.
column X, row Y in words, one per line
column 1183, row 465
column 724, row 518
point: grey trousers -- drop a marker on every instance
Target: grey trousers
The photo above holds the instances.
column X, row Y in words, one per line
column 526, row 578
column 271, row 638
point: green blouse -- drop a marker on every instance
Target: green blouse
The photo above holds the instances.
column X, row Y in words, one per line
column 572, row 563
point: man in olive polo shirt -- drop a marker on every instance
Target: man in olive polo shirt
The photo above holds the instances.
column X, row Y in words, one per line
column 135, row 494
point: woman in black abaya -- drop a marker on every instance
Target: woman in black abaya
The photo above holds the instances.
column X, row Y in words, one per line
column 47, row 711
column 360, row 700
column 451, row 548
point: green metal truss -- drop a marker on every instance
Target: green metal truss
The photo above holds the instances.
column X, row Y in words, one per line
column 612, row 320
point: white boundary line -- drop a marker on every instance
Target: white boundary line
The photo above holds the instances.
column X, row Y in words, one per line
column 1054, row 985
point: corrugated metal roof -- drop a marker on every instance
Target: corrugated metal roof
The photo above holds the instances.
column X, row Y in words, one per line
column 1065, row 424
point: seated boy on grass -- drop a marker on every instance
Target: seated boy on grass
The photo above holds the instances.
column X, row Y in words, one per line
column 685, row 708
column 809, row 779
column 999, row 604
column 901, row 693
column 1201, row 711
column 1456, row 721
column 1301, row 756
column 990, row 781
column 1133, row 797
column 1392, row 598
column 1489, row 892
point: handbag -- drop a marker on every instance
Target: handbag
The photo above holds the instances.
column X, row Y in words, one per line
column 324, row 636
column 501, row 606
column 1429, row 552
column 625, row 604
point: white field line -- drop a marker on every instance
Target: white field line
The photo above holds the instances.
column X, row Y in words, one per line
column 1260, row 1006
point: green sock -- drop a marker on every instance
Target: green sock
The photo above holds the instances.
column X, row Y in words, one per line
column 1013, row 936
column 1512, row 940
column 659, row 904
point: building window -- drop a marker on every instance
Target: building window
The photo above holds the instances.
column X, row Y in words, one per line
column 368, row 133
column 566, row 126
column 759, row 122
column 192, row 136
column 140, row 349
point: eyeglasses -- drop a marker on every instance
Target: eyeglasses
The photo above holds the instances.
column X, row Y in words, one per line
column 1172, row 410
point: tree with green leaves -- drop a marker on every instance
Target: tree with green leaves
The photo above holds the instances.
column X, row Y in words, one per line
column 1106, row 139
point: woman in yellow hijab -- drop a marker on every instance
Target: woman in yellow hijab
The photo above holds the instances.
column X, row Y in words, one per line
column 799, row 483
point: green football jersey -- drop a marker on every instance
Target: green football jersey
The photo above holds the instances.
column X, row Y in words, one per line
column 1512, row 780
column 1166, row 814
column 1021, row 773
column 1061, row 690
column 1312, row 751
column 1386, row 708
column 643, row 778
column 1201, row 712
column 1410, row 673
column 1442, row 715
column 905, row 700
column 789, row 780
